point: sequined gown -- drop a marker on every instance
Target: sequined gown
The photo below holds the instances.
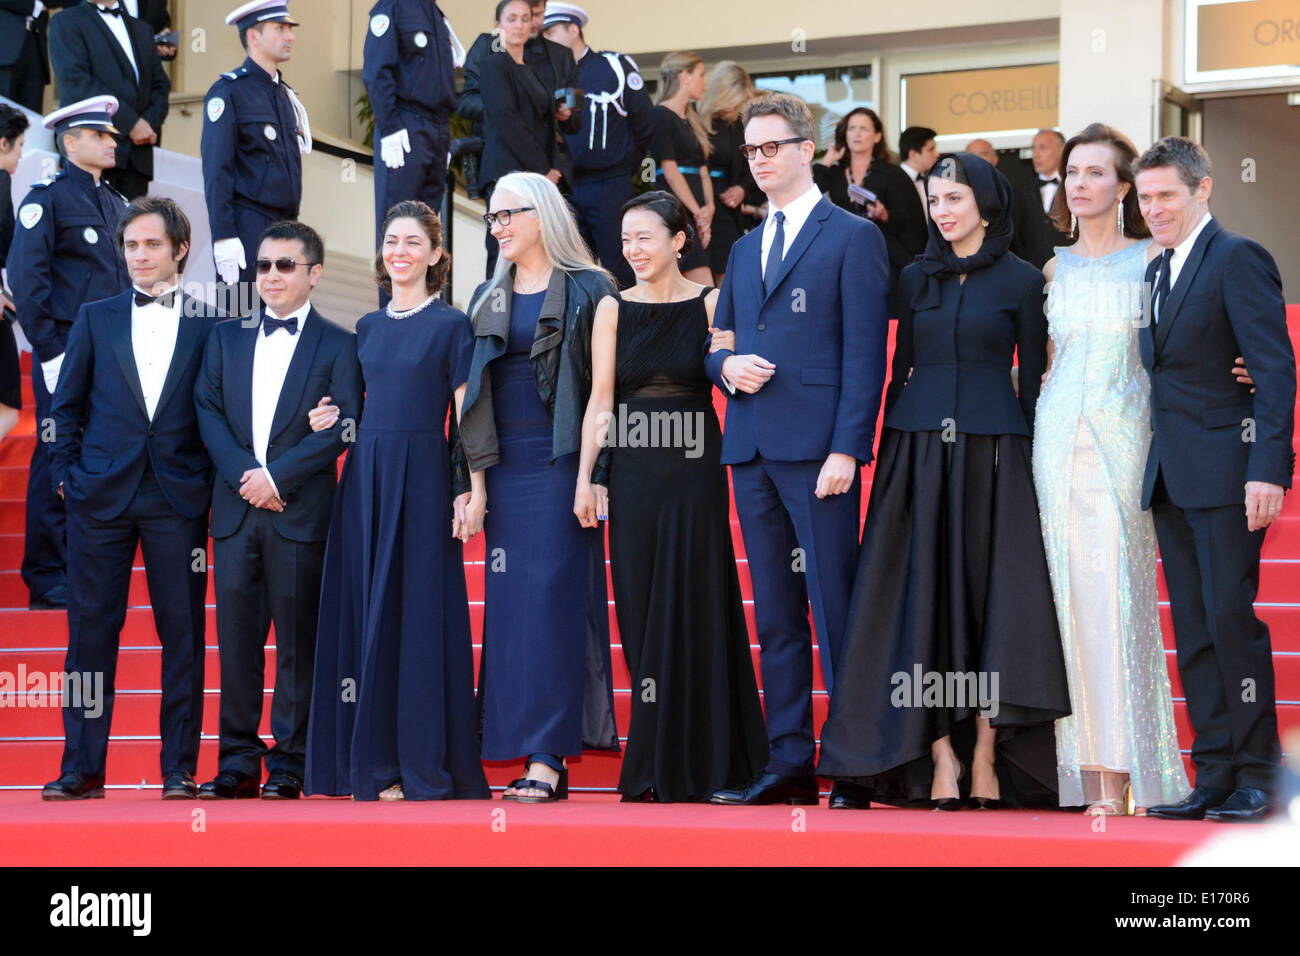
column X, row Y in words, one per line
column 1090, row 448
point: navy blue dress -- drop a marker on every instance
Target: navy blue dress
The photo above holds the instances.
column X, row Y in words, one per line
column 545, row 594
column 393, row 699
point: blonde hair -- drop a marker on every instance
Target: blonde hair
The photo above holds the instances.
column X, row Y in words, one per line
column 729, row 90
column 671, row 69
column 561, row 241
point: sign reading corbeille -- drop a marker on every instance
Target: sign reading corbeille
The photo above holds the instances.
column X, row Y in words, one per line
column 983, row 101
column 1240, row 36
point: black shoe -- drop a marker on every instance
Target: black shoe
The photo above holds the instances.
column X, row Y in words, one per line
column 985, row 803
column 229, row 785
column 849, row 796
column 281, row 785
column 646, row 796
column 768, row 788
column 1193, row 807
column 179, row 785
column 74, row 786
column 1246, row 805
column 55, row 599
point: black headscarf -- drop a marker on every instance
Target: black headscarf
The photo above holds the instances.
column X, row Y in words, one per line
column 992, row 197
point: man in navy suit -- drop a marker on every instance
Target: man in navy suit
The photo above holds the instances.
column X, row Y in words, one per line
column 1215, row 447
column 806, row 298
column 130, row 465
column 99, row 48
column 271, row 503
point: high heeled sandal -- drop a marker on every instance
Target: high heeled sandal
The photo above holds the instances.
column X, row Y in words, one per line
column 560, row 791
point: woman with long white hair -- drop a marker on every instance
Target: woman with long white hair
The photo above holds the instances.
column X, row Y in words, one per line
column 544, row 680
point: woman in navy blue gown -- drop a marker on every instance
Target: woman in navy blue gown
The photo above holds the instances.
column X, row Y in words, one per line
column 544, row 680
column 392, row 713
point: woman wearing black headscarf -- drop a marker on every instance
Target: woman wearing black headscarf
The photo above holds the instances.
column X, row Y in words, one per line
column 951, row 672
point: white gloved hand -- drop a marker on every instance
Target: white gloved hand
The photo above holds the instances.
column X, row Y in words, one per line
column 229, row 256
column 50, row 371
column 393, row 149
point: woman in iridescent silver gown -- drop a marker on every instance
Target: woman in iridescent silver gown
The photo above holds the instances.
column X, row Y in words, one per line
column 1118, row 749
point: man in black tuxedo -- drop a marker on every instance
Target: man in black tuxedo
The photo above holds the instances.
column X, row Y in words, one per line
column 130, row 464
column 99, row 48
column 1036, row 236
column 1214, row 447
column 271, row 503
column 24, row 58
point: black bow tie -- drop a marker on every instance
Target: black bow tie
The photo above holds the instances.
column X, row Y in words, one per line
column 111, row 11
column 165, row 300
column 269, row 325
column 1053, row 181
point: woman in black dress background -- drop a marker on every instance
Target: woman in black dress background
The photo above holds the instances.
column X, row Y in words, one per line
column 859, row 156
column 952, row 578
column 13, row 130
column 737, row 196
column 680, row 149
column 696, row 721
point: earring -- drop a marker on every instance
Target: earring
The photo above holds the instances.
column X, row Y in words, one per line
column 1074, row 224
column 679, row 255
column 984, row 223
column 1119, row 216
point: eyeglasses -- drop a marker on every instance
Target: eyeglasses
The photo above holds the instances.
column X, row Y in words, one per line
column 285, row 265
column 769, row 149
column 502, row 216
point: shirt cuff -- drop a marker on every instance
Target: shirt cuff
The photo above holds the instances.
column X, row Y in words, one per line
column 727, row 382
column 37, row 9
column 272, row 481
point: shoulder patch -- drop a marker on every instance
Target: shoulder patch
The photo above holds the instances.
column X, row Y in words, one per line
column 216, row 106
column 379, row 24
column 31, row 214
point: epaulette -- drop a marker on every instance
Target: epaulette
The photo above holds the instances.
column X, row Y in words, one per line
column 235, row 74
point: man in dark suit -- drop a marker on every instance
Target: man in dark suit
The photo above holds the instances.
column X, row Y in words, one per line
column 24, row 57
column 99, row 48
column 917, row 152
column 1215, row 447
column 806, row 298
column 130, row 463
column 1036, row 236
column 62, row 256
column 271, row 503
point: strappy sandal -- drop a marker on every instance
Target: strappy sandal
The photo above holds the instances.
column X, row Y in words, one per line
column 559, row 791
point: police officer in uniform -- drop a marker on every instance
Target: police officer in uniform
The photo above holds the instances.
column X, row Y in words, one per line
column 255, row 131
column 411, row 54
column 615, row 135
column 63, row 255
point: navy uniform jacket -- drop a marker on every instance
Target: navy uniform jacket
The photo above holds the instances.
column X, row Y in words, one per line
column 250, row 149
column 64, row 254
column 408, row 66
column 618, row 123
column 103, row 435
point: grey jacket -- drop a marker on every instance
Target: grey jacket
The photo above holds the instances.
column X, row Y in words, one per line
column 561, row 361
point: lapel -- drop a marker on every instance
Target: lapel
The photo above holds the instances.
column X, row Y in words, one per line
column 238, row 388
column 109, row 37
column 189, row 336
column 295, row 378
column 1186, row 275
column 119, row 332
column 1146, row 331
column 811, row 227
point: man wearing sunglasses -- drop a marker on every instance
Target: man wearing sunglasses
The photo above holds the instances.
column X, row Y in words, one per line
column 805, row 296
column 271, row 503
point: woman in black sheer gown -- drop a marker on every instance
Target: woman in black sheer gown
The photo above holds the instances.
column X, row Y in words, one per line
column 696, row 722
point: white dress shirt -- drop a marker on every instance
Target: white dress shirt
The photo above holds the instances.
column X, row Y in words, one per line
column 153, row 340
column 1179, row 257
column 117, row 26
column 132, row 7
column 917, row 181
column 1047, row 191
column 796, row 214
column 271, row 357
column 37, row 7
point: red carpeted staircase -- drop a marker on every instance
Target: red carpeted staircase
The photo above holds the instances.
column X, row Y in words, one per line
column 31, row 739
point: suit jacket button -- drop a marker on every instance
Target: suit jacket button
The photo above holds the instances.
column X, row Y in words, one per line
column 761, row 326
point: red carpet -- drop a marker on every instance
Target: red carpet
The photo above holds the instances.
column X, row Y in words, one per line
column 131, row 828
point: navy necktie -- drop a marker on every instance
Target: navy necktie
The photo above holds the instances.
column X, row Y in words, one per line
column 1162, row 284
column 269, row 325
column 775, row 254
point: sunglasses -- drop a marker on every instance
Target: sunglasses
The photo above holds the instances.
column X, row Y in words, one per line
column 769, row 149
column 503, row 215
column 284, row 265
